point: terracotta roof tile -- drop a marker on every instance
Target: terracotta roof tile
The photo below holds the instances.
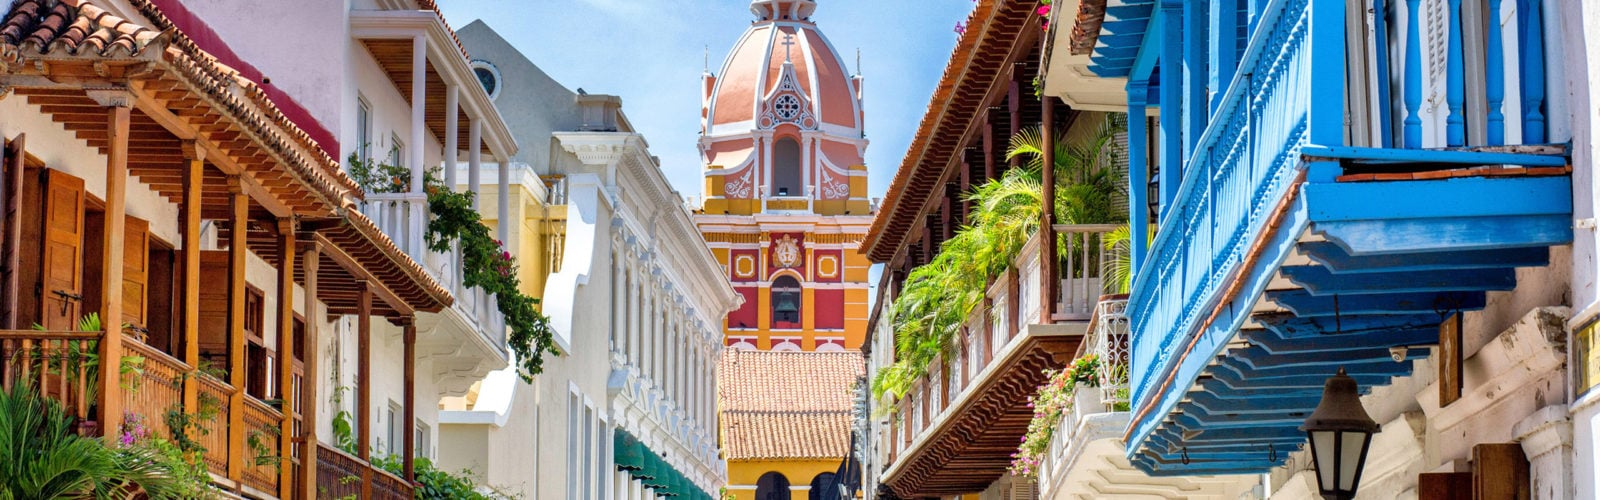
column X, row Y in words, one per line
column 787, row 405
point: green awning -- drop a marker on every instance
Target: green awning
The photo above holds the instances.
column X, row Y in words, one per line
column 629, row 452
column 657, row 472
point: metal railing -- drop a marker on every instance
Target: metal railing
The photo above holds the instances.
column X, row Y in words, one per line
column 1107, row 342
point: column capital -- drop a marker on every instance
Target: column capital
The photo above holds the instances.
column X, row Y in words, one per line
column 1547, row 430
column 192, row 150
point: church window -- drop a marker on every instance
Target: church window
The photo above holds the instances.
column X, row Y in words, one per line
column 772, row 486
column 786, row 303
column 488, row 76
column 824, row 487
column 787, row 106
column 786, row 167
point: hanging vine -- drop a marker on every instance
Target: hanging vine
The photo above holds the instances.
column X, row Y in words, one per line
column 486, row 266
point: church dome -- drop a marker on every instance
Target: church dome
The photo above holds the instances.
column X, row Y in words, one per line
column 783, row 70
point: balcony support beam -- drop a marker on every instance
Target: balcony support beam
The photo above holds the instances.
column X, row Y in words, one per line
column 1171, row 87
column 410, row 340
column 286, row 347
column 1138, row 172
column 1195, row 106
column 310, row 260
column 190, row 208
column 118, row 117
column 364, row 384
column 238, row 237
column 452, row 134
column 1328, row 254
column 1049, row 285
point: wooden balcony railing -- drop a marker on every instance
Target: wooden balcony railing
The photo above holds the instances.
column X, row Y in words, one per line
column 1010, row 304
column 340, row 475
column 155, row 388
column 261, row 445
column 53, row 362
column 214, row 431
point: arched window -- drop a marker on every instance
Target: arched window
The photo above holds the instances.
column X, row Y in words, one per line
column 772, row 486
column 823, row 487
column 786, row 303
column 786, row 168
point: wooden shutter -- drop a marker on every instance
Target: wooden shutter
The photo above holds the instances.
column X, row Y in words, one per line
column 136, row 272
column 9, row 253
column 214, row 306
column 62, row 252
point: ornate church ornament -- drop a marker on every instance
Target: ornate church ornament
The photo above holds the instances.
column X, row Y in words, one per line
column 833, row 187
column 740, row 187
column 788, row 102
column 786, row 252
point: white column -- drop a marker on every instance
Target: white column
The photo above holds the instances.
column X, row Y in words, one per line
column 419, row 103
column 475, row 160
column 452, row 129
column 505, row 197
column 635, row 312
column 619, row 300
column 1546, row 438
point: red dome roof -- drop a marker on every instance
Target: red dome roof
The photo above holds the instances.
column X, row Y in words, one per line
column 783, row 36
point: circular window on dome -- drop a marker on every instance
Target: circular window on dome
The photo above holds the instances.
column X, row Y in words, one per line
column 787, row 107
column 488, row 76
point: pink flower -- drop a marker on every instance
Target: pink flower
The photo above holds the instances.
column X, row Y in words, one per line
column 1044, row 10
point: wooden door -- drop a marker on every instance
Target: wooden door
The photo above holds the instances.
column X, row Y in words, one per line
column 214, row 308
column 136, row 273
column 61, row 280
column 11, row 198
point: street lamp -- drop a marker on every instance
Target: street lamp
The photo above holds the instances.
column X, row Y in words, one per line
column 1340, row 433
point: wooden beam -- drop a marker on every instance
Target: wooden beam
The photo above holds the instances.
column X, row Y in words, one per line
column 286, row 348
column 1049, row 285
column 111, row 268
column 16, row 150
column 237, row 246
column 218, row 157
column 308, row 390
column 364, row 385
column 411, row 398
column 193, row 192
column 360, row 272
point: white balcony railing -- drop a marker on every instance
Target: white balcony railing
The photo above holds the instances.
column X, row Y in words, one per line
column 404, row 217
column 1107, row 341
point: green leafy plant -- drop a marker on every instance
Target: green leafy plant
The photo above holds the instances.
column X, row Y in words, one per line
column 264, row 454
column 375, row 176
column 432, row 483
column 85, row 357
column 43, row 457
column 343, row 422
column 1054, row 399
column 486, row 265
column 937, row 298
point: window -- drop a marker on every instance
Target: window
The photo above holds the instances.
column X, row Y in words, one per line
column 258, row 360
column 488, row 76
column 786, row 303
column 363, row 130
column 422, row 434
column 588, row 453
column 786, row 168
column 824, row 487
column 397, row 151
column 393, row 438
column 574, row 416
column 772, row 486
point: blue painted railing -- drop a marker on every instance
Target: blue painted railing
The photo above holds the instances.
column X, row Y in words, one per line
column 1289, row 93
column 1246, row 157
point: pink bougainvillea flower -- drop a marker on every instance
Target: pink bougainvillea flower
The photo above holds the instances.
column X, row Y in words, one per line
column 1044, row 10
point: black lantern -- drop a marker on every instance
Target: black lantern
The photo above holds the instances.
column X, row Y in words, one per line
column 1340, row 433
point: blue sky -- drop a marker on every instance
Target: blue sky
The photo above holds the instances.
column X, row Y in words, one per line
column 651, row 53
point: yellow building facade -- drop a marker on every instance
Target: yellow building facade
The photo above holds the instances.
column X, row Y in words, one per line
column 785, row 198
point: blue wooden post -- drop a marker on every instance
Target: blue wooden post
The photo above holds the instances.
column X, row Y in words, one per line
column 1224, row 48
column 1532, row 45
column 1494, row 76
column 1138, row 185
column 1455, row 125
column 1171, row 99
column 1195, row 109
column 1413, row 86
column 1327, row 52
column 1385, row 108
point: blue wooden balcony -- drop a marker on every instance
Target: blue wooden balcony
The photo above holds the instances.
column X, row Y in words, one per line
column 1330, row 182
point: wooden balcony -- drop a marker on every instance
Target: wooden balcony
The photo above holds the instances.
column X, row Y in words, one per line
column 341, row 475
column 955, row 432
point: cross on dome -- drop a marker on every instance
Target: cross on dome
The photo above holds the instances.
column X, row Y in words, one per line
column 788, row 46
column 783, row 10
